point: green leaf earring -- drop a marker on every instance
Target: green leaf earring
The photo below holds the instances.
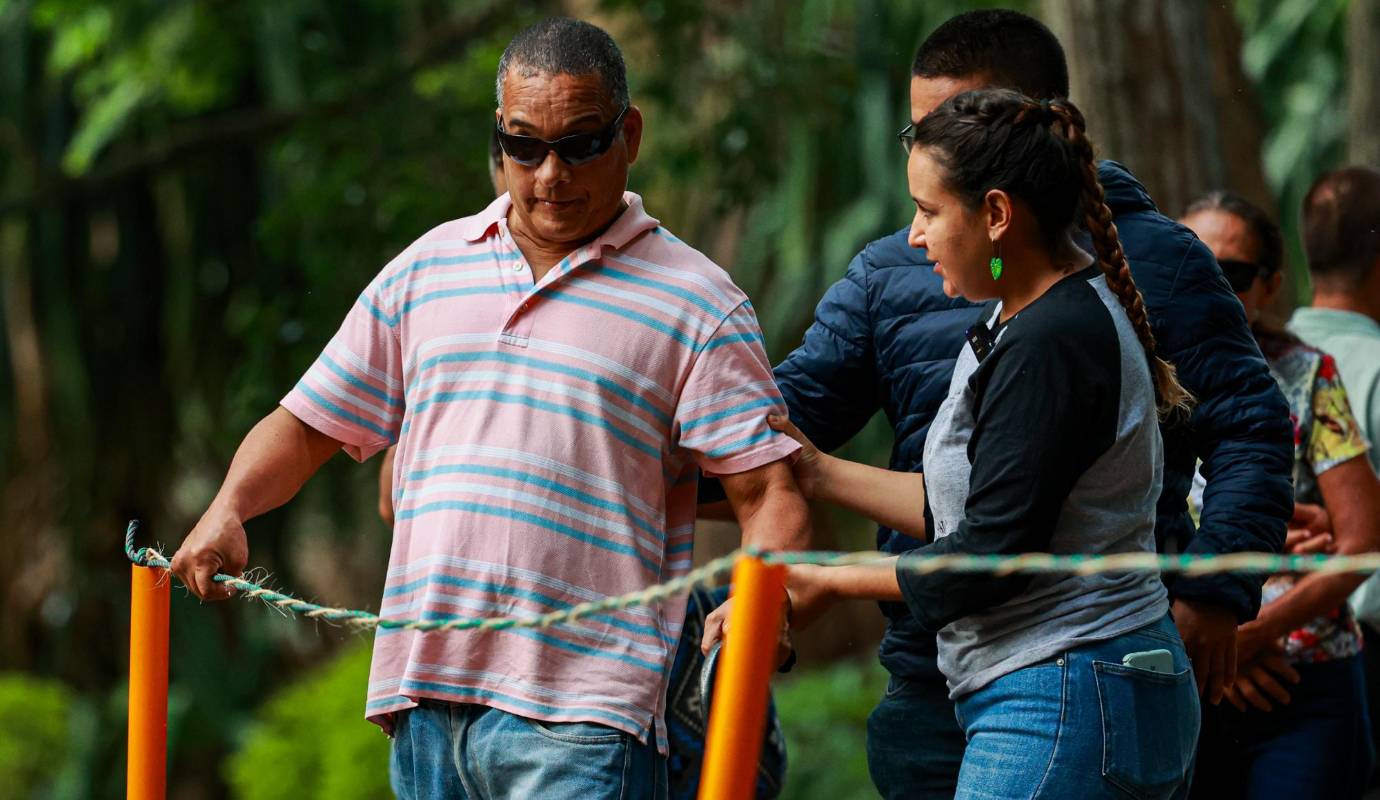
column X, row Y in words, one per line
column 995, row 263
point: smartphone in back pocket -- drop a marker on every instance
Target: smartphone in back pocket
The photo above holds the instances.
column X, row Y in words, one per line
column 1161, row 661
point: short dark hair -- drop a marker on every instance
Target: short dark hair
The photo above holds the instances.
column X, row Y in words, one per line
column 1341, row 224
column 1268, row 239
column 1011, row 49
column 565, row 46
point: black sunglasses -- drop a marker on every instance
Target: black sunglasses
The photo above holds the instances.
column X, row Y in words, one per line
column 907, row 138
column 1240, row 274
column 575, row 149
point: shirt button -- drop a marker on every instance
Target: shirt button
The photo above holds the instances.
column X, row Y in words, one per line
column 517, row 267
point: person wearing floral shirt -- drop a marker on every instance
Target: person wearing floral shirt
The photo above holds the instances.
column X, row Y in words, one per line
column 1325, row 436
column 1298, row 726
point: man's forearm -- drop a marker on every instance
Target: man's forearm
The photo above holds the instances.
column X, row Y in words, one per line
column 769, row 507
column 719, row 511
column 1311, row 596
column 781, row 521
column 272, row 464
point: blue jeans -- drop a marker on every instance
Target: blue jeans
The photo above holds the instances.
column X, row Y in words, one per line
column 1317, row 746
column 445, row 751
column 914, row 744
column 1083, row 726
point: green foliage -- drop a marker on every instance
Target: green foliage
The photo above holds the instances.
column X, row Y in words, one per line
column 824, row 715
column 35, row 715
column 1295, row 52
column 175, row 60
column 311, row 740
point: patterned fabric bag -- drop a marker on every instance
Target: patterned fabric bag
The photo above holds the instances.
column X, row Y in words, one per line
column 687, row 709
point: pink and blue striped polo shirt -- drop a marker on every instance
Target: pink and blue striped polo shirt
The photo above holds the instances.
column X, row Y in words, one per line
column 548, row 437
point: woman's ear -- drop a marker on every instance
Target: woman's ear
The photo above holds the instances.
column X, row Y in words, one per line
column 998, row 208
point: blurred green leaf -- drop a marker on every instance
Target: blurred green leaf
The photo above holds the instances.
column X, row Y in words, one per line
column 824, row 715
column 102, row 123
column 78, row 40
column 311, row 740
column 36, row 716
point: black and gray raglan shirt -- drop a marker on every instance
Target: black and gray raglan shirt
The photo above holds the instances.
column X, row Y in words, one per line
column 1047, row 442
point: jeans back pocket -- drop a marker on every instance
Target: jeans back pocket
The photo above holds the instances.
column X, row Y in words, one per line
column 1150, row 726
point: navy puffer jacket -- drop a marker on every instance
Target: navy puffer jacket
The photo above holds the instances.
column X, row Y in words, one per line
column 885, row 337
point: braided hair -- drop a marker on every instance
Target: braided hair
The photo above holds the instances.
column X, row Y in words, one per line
column 1039, row 151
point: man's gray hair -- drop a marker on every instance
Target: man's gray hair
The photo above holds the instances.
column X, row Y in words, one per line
column 565, row 46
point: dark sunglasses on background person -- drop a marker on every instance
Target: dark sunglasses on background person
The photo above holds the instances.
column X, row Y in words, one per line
column 1240, row 274
column 575, row 149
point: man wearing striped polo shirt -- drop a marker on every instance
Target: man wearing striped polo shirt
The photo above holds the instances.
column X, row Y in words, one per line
column 554, row 370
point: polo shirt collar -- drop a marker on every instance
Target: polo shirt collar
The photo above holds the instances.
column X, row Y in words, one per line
column 1336, row 321
column 475, row 228
column 633, row 222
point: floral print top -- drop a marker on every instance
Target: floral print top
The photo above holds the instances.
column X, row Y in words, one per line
column 1326, row 434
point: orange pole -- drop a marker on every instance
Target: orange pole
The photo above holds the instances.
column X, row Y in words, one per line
column 148, row 685
column 737, row 721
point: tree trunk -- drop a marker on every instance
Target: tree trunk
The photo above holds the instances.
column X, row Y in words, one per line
column 26, row 497
column 1164, row 93
column 1363, row 82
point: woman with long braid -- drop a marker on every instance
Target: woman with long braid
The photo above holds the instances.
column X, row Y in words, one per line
column 1049, row 440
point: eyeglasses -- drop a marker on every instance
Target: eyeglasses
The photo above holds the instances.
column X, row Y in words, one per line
column 907, row 138
column 1240, row 274
column 575, row 149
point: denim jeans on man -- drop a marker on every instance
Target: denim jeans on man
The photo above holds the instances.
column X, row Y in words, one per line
column 1316, row 747
column 444, row 751
column 914, row 744
column 1084, row 726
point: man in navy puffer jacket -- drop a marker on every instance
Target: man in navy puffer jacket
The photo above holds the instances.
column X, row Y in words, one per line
column 886, row 338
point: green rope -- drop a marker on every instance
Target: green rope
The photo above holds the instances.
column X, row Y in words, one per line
column 709, row 574
column 713, row 573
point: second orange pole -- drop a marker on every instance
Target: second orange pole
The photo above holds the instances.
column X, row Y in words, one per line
column 737, row 721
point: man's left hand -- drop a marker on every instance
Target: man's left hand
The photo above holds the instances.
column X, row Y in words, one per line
column 716, row 630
